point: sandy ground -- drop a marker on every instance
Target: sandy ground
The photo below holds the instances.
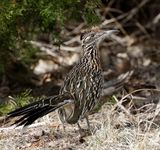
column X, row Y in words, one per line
column 111, row 130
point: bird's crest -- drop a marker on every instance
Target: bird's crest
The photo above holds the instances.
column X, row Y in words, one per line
column 86, row 31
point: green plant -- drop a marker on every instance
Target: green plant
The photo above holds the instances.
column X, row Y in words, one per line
column 23, row 19
column 19, row 101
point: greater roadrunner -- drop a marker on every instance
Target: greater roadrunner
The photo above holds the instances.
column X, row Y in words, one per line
column 80, row 92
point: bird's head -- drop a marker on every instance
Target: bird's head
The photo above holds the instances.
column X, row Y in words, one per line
column 96, row 36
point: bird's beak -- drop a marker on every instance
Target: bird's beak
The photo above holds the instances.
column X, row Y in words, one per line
column 110, row 32
column 106, row 35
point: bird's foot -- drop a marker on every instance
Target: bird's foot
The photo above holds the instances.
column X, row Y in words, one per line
column 84, row 133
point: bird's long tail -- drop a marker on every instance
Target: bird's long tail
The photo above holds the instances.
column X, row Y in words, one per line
column 28, row 114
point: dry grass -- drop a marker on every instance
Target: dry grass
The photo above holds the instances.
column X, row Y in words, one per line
column 112, row 130
column 120, row 132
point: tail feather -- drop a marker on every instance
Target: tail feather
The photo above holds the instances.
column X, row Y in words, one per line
column 38, row 109
column 23, row 110
column 30, row 118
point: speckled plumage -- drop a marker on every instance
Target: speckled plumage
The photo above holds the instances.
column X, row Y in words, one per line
column 85, row 83
column 81, row 90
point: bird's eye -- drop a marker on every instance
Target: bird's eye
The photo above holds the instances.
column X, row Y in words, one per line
column 92, row 35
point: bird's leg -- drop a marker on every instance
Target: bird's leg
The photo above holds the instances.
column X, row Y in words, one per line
column 81, row 131
column 79, row 127
column 88, row 124
column 84, row 133
column 63, row 126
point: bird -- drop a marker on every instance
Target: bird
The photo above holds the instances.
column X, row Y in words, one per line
column 81, row 90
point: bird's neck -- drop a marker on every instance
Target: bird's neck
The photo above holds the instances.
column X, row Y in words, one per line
column 91, row 55
column 90, row 51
